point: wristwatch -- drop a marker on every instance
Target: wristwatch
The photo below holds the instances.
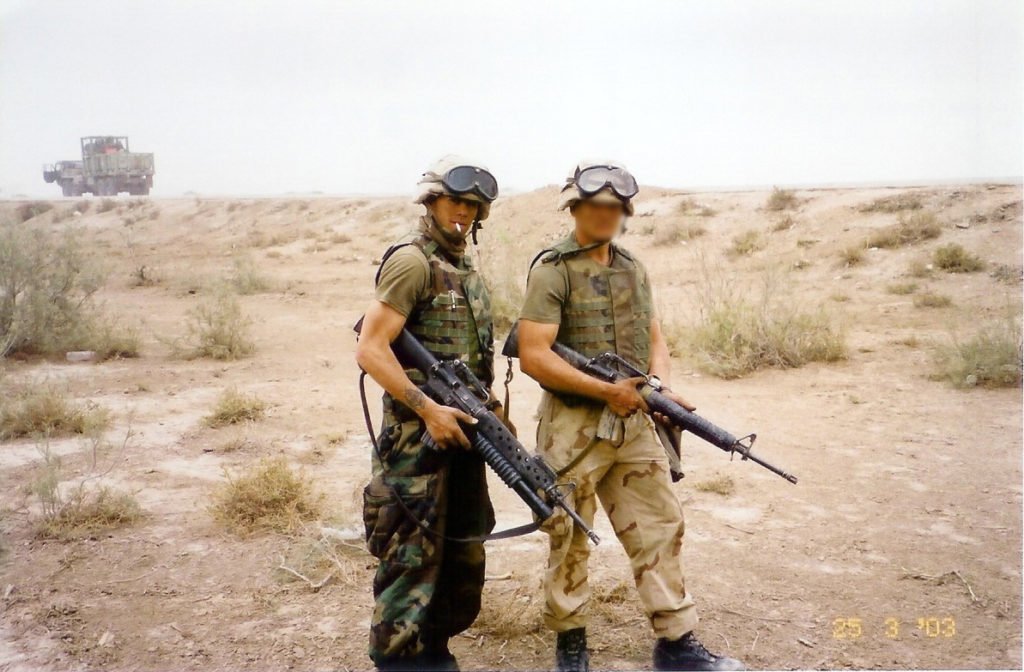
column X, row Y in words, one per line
column 655, row 382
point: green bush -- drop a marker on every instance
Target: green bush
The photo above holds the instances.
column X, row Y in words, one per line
column 218, row 329
column 992, row 357
column 47, row 285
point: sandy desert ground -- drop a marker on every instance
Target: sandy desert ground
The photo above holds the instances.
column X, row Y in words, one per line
column 899, row 548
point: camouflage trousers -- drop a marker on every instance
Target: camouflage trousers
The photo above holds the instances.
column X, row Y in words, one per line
column 632, row 482
column 426, row 589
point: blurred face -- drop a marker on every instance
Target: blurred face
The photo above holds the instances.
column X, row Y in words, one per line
column 453, row 214
column 597, row 222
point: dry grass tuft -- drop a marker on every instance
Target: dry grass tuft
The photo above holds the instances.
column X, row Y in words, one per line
column 735, row 335
column 688, row 206
column 891, row 204
column 513, row 615
column 27, row 211
column 673, row 233
column 992, row 357
column 246, row 278
column 852, row 256
column 721, row 485
column 73, row 511
column 234, row 407
column 270, row 497
column 916, row 228
column 902, row 288
column 87, row 511
column 780, row 199
column 931, row 300
column 45, row 410
column 953, row 258
column 746, row 243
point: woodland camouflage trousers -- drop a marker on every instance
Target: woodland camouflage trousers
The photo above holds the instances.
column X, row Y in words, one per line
column 426, row 589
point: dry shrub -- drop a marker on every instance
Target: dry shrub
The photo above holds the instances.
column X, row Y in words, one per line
column 721, row 485
column 246, row 278
column 746, row 243
column 919, row 269
column 217, row 328
column 27, row 211
column 953, row 258
column 106, row 205
column 735, row 336
column 784, row 224
column 902, row 288
column 81, row 509
column 675, row 232
column 339, row 238
column 891, row 204
column 851, row 256
column 86, row 511
column 992, row 357
column 322, row 557
column 916, row 228
column 503, row 266
column 509, row 614
column 932, row 300
column 780, row 199
column 234, row 407
column 44, row 409
column 1008, row 273
column 270, row 497
column 688, row 206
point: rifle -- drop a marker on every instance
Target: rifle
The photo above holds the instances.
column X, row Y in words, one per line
column 611, row 368
column 451, row 383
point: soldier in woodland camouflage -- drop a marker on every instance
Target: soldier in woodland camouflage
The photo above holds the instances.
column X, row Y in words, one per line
column 592, row 295
column 423, row 508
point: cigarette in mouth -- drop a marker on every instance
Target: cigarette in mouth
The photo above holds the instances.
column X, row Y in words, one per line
column 459, row 227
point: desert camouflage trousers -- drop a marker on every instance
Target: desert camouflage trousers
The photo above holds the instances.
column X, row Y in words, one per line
column 632, row 482
column 426, row 589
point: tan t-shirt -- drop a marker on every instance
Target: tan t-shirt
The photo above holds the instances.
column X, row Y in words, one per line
column 404, row 280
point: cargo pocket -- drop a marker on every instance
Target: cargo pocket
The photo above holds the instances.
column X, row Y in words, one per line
column 384, row 519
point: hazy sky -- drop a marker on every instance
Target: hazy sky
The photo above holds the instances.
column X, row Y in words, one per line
column 358, row 97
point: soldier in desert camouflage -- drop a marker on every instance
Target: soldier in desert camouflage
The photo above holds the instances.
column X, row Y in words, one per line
column 424, row 508
column 594, row 296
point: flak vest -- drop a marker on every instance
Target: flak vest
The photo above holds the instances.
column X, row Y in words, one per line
column 454, row 321
column 608, row 308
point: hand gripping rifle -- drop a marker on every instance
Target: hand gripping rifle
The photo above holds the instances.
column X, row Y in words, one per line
column 611, row 368
column 451, row 383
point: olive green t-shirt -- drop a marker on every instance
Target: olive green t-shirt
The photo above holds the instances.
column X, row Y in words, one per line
column 404, row 280
column 547, row 289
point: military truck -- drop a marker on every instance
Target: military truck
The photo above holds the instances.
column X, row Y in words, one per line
column 107, row 168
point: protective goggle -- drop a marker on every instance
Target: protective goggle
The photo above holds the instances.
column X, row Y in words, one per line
column 591, row 180
column 470, row 179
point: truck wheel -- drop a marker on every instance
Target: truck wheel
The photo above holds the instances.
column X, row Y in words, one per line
column 68, row 189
